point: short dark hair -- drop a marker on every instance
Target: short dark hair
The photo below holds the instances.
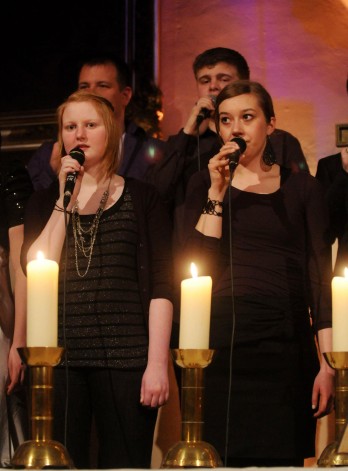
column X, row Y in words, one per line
column 212, row 56
column 124, row 74
column 240, row 87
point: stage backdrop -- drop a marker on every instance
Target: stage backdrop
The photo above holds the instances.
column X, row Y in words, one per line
column 298, row 49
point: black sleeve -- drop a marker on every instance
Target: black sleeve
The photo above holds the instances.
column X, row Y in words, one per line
column 17, row 188
column 195, row 246
column 288, row 151
column 335, row 182
column 319, row 261
column 37, row 212
column 168, row 174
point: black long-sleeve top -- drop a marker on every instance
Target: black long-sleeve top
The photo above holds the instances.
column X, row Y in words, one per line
column 280, row 243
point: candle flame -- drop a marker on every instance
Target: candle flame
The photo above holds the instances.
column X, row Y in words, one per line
column 194, row 271
column 40, row 255
column 346, row 272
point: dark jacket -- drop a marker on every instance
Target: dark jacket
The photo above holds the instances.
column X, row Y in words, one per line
column 335, row 181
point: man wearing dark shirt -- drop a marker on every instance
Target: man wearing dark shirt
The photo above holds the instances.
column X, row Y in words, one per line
column 110, row 77
column 191, row 149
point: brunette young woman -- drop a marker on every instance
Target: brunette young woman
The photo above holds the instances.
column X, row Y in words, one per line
column 261, row 232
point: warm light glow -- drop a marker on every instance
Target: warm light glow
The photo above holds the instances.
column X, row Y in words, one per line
column 194, row 271
column 42, row 302
column 340, row 312
column 40, row 255
column 195, row 311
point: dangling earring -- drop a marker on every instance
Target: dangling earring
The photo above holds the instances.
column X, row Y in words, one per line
column 268, row 156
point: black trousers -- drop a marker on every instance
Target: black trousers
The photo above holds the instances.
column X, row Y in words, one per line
column 111, row 398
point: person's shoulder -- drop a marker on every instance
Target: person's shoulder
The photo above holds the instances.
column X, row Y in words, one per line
column 137, row 133
column 283, row 134
column 329, row 160
column 15, row 174
column 132, row 129
column 140, row 186
column 300, row 179
column 45, row 149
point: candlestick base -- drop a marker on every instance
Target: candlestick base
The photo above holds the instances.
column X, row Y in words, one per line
column 192, row 451
column 192, row 455
column 41, row 452
column 336, row 453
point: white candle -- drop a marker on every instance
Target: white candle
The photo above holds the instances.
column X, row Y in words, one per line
column 42, row 302
column 195, row 311
column 340, row 313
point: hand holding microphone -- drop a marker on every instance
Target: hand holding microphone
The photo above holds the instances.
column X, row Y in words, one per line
column 234, row 157
column 205, row 112
column 77, row 154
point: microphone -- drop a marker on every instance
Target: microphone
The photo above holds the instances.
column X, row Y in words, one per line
column 205, row 112
column 77, row 154
column 234, row 157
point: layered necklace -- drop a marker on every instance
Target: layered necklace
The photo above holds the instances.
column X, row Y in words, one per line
column 85, row 238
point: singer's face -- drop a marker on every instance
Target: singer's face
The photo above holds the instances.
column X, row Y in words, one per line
column 242, row 116
column 82, row 126
column 211, row 80
column 102, row 80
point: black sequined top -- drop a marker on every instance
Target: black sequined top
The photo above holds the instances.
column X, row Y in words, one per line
column 15, row 189
column 107, row 312
column 104, row 323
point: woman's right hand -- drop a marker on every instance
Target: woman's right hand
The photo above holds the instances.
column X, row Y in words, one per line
column 70, row 165
column 219, row 170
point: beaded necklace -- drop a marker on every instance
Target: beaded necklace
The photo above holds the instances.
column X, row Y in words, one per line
column 85, row 238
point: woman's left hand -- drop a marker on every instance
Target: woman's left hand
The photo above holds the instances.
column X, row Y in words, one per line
column 323, row 395
column 155, row 386
column 16, row 370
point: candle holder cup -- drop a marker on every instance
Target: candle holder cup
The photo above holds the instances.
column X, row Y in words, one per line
column 41, row 451
column 192, row 451
column 336, row 453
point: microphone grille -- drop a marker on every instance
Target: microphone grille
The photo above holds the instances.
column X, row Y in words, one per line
column 77, row 154
column 241, row 143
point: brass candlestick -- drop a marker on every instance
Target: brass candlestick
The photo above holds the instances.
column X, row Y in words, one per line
column 336, row 453
column 41, row 452
column 191, row 451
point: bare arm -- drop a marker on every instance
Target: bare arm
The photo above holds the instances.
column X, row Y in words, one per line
column 323, row 394
column 209, row 224
column 155, row 383
column 16, row 371
column 51, row 239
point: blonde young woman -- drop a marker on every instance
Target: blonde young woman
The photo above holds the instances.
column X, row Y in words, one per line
column 261, row 232
column 118, row 312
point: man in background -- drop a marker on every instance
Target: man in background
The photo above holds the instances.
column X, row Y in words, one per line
column 108, row 76
column 191, row 149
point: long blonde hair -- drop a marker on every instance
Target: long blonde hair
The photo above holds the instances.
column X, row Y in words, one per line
column 104, row 108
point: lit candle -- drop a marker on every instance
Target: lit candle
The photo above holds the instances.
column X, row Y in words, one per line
column 42, row 302
column 195, row 311
column 340, row 313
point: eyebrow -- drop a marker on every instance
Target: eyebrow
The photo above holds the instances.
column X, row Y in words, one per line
column 208, row 76
column 243, row 111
